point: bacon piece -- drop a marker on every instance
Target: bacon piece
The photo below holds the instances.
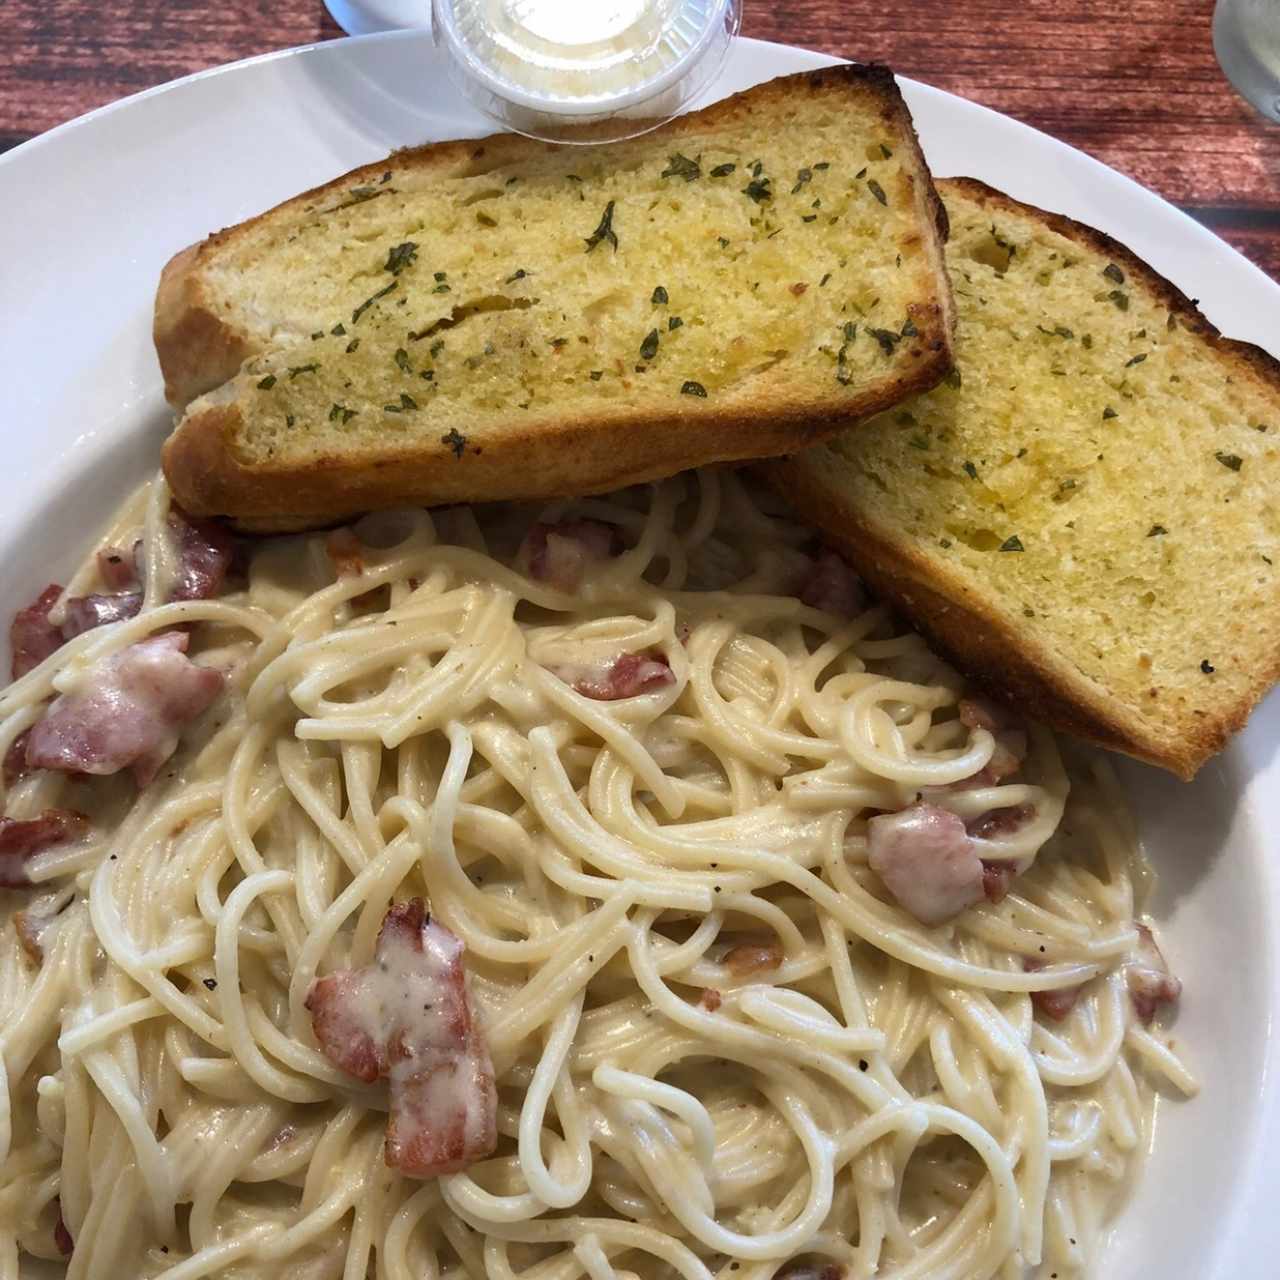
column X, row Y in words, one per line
column 205, row 552
column 1008, row 757
column 408, row 1017
column 927, row 861
column 996, row 879
column 1010, row 751
column 1150, row 982
column 61, row 1236
column 1006, row 760
column 1002, row 822
column 344, row 1016
column 346, row 552
column 15, row 759
column 983, row 713
column 129, row 711
column 1056, row 1002
column 627, row 676
column 20, row 841
column 710, row 999
column 32, row 637
column 834, row 588
column 118, row 568
column 83, row 613
column 203, row 549
column 561, row 553
column 756, row 956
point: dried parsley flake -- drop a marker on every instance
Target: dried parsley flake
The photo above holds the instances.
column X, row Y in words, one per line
column 604, row 231
column 407, row 402
column 401, row 256
column 370, row 300
column 679, row 166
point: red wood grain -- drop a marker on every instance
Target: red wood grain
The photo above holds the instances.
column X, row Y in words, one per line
column 1136, row 85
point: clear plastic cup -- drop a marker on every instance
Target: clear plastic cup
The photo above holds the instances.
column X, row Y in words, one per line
column 548, row 67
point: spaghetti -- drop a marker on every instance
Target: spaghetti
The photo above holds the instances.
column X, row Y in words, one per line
column 721, row 1047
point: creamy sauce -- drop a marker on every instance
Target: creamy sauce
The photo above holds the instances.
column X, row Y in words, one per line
column 408, row 991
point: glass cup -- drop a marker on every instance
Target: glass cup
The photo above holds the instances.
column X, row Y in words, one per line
column 1246, row 38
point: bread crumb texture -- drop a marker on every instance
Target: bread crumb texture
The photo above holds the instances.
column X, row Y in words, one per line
column 1100, row 473
column 755, row 253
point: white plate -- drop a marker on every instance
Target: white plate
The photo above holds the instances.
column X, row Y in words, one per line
column 90, row 212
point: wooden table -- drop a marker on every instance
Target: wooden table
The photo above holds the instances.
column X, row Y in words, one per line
column 1134, row 84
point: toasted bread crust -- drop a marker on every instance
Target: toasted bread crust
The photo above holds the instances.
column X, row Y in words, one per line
column 544, row 457
column 988, row 641
column 198, row 351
